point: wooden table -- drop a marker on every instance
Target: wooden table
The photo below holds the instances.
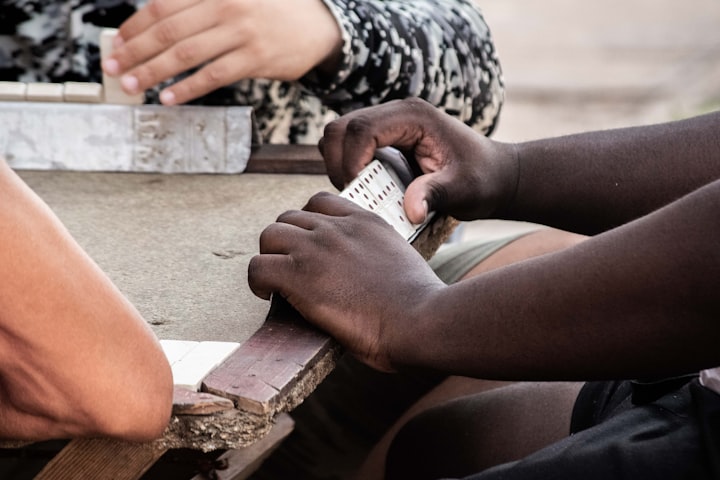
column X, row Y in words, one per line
column 178, row 246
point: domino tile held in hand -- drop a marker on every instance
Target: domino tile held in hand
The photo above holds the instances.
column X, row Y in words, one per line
column 113, row 92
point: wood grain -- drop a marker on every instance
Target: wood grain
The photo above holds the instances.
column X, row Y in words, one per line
column 259, row 376
column 188, row 402
column 272, row 158
column 101, row 459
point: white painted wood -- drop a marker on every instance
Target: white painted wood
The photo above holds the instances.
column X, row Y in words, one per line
column 44, row 92
column 82, row 92
column 176, row 349
column 113, row 92
column 132, row 138
column 197, row 362
column 12, row 91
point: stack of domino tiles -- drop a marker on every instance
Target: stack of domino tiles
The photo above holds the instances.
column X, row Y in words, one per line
column 379, row 189
column 98, row 127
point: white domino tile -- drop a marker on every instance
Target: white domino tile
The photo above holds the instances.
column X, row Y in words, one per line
column 12, row 91
column 44, row 92
column 176, row 349
column 113, row 92
column 82, row 92
column 191, row 362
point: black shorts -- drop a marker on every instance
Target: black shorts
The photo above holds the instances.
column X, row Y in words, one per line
column 668, row 429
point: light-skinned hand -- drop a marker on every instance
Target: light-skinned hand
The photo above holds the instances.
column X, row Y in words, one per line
column 229, row 40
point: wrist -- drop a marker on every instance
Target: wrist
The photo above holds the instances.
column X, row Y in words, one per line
column 409, row 339
column 510, row 160
column 329, row 40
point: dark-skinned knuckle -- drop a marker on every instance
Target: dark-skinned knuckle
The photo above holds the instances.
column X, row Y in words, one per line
column 416, row 103
column 286, row 215
column 266, row 235
column 360, row 126
column 254, row 269
column 334, row 129
column 314, row 201
column 439, row 193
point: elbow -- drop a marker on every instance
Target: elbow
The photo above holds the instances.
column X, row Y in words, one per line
column 139, row 413
column 148, row 413
column 151, row 418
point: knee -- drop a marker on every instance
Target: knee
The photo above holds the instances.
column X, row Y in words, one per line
column 427, row 447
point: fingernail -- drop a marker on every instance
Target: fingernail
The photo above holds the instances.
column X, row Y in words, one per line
column 117, row 41
column 111, row 66
column 425, row 210
column 129, row 83
column 167, row 97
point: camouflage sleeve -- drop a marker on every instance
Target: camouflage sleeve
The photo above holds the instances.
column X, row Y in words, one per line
column 439, row 50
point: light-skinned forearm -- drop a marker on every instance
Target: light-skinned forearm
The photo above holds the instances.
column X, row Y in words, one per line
column 76, row 359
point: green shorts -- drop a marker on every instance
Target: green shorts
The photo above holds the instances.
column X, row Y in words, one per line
column 452, row 262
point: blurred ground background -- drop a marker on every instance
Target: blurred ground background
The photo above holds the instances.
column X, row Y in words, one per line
column 576, row 65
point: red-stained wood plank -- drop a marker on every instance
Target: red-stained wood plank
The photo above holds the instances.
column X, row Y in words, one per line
column 188, row 402
column 261, row 372
column 272, row 158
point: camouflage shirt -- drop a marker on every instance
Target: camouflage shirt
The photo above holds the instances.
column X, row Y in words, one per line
column 439, row 50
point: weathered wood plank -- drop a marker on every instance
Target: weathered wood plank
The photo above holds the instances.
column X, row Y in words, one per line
column 261, row 373
column 188, row 402
column 240, row 463
column 101, row 459
column 272, row 158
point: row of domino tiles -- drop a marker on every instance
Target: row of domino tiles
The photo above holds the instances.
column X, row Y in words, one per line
column 192, row 361
column 77, row 92
column 80, row 92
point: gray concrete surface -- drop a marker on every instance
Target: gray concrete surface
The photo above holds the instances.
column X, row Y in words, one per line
column 178, row 246
column 577, row 65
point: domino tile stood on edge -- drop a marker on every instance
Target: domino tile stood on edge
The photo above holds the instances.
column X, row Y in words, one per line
column 113, row 92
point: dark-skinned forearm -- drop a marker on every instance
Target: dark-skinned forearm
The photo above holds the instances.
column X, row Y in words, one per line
column 637, row 301
column 590, row 182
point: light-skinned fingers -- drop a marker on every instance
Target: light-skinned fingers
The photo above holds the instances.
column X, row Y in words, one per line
column 155, row 11
column 179, row 58
column 219, row 73
column 175, row 36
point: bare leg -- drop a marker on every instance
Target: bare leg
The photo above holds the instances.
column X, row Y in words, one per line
column 538, row 242
column 472, row 433
column 544, row 240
